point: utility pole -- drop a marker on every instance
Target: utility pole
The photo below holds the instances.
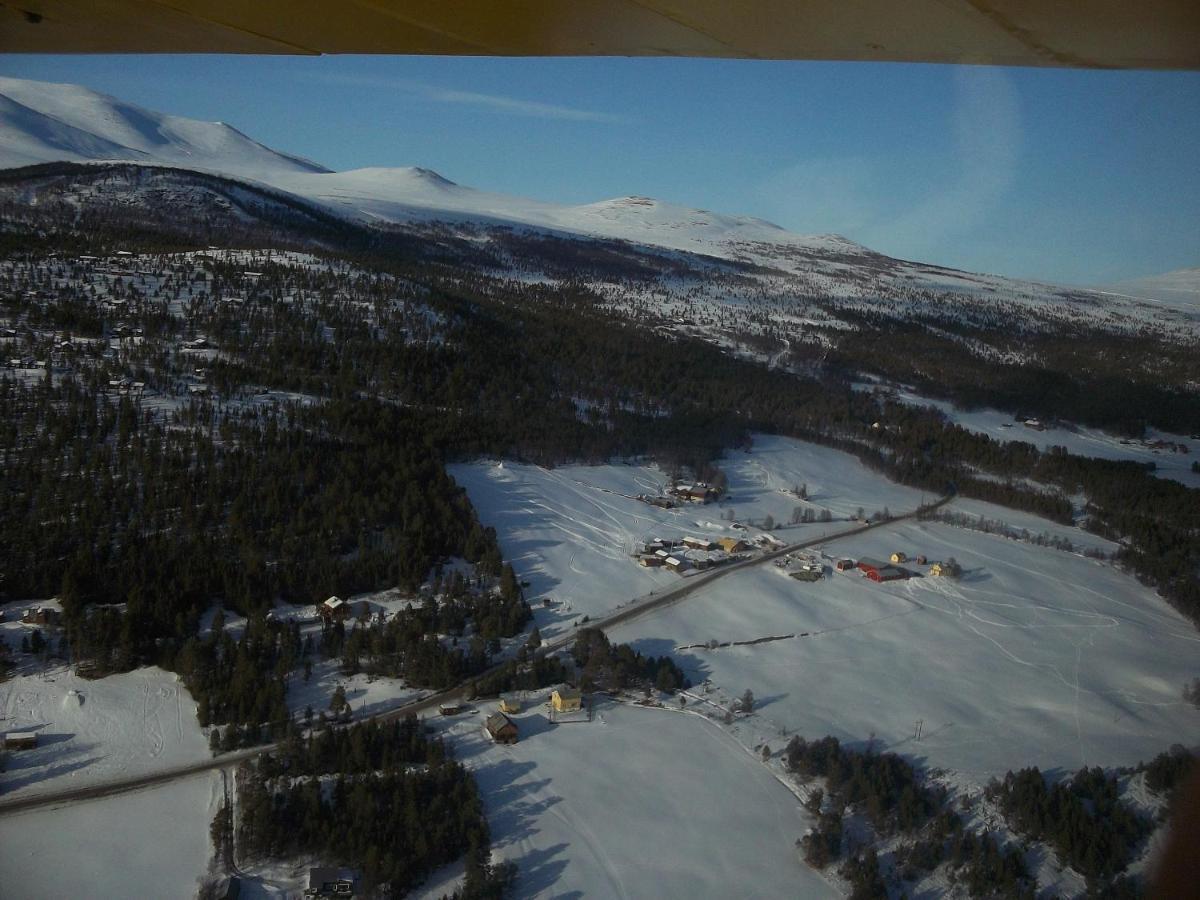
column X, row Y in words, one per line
column 920, row 727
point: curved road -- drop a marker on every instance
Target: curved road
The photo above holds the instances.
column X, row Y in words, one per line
column 635, row 609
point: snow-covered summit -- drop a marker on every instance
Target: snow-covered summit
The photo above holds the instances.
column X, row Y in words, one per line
column 44, row 122
column 1179, row 289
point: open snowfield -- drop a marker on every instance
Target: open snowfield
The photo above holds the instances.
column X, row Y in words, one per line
column 151, row 843
column 1034, row 657
column 1016, row 520
column 1080, row 440
column 637, row 802
column 570, row 531
column 89, row 731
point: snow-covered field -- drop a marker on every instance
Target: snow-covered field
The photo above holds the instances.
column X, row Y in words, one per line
column 637, row 802
column 1016, row 521
column 1079, row 440
column 90, row 731
column 151, row 843
column 570, row 531
column 1034, row 657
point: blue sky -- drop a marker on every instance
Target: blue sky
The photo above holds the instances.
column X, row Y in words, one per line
column 1075, row 176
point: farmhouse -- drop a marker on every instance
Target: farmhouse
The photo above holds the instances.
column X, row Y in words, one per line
column 20, row 740
column 699, row 492
column 694, row 543
column 732, row 545
column 510, row 703
column 331, row 883
column 675, row 564
column 844, row 565
column 450, row 708
column 335, row 609
column 566, row 699
column 899, row 557
column 501, row 728
column 946, row 569
column 650, row 562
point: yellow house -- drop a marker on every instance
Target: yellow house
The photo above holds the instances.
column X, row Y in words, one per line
column 899, row 557
column 510, row 703
column 947, row 569
column 566, row 699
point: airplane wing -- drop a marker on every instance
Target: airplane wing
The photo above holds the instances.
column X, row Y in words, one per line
column 1153, row 34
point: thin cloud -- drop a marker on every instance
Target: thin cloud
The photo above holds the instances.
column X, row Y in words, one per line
column 871, row 198
column 498, row 103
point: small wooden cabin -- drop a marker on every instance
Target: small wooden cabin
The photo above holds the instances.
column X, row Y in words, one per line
column 335, row 609
column 501, row 728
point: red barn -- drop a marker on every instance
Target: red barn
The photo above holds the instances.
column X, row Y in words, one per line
column 881, row 571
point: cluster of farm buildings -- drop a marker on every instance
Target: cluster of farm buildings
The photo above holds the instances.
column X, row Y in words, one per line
column 895, row 569
column 697, row 492
column 501, row 729
column 690, row 553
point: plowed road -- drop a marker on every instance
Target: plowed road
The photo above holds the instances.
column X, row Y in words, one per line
column 636, row 608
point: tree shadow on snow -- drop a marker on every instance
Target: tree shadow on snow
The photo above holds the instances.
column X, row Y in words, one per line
column 974, row 576
column 761, row 702
column 40, row 774
column 539, row 870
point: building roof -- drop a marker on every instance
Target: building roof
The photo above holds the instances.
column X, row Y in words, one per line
column 496, row 721
column 569, row 693
column 334, row 602
column 867, row 562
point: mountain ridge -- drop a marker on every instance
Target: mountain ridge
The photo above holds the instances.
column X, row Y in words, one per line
column 72, row 123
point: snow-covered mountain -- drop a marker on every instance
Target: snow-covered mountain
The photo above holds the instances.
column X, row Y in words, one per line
column 45, row 122
column 661, row 260
column 1179, row 289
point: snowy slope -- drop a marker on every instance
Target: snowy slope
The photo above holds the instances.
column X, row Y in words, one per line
column 408, row 194
column 637, row 803
column 788, row 273
column 44, row 122
column 1180, row 288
